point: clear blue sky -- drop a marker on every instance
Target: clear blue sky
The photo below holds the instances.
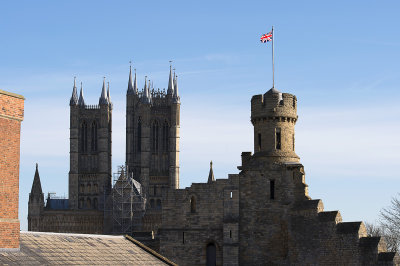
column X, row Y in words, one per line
column 340, row 58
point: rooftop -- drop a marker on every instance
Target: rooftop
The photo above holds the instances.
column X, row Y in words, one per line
column 39, row 248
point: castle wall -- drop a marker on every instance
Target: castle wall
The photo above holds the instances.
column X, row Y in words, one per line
column 11, row 115
column 188, row 228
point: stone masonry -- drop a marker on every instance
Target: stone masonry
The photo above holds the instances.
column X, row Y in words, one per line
column 263, row 215
column 11, row 115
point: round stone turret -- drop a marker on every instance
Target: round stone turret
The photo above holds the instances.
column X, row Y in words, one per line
column 274, row 116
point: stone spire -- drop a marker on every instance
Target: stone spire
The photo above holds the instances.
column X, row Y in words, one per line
column 74, row 97
column 146, row 94
column 103, row 96
column 130, row 84
column 135, row 89
column 81, row 101
column 36, row 185
column 211, row 174
column 176, row 97
column 108, row 93
column 170, row 90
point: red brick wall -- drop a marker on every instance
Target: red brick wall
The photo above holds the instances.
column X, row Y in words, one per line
column 11, row 115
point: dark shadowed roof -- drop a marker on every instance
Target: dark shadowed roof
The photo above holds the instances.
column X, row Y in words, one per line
column 38, row 248
column 57, row 204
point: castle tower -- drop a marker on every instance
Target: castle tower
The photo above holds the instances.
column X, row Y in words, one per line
column 90, row 151
column 274, row 116
column 152, row 137
column 35, row 203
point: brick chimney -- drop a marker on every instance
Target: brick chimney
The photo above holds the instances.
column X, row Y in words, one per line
column 11, row 116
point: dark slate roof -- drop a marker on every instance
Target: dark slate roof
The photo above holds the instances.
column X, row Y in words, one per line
column 38, row 248
column 57, row 204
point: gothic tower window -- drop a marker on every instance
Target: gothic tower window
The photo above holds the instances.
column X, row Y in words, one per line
column 192, row 204
column 151, row 203
column 89, row 188
column 139, row 135
column 80, row 203
column 158, row 204
column 165, row 136
column 83, row 139
column 95, row 203
column 88, row 203
column 278, row 138
column 82, row 188
column 94, row 136
column 154, row 136
column 95, row 188
column 259, row 141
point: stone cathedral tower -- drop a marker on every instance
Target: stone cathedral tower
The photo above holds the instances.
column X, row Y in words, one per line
column 90, row 151
column 152, row 141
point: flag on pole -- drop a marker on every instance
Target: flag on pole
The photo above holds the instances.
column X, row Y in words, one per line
column 266, row 37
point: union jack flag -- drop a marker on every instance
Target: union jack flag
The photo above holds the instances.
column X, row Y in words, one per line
column 266, row 37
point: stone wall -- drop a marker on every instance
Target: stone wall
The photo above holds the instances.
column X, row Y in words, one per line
column 200, row 215
column 11, row 115
column 70, row 221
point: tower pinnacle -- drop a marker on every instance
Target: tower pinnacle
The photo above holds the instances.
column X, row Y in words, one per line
column 130, row 84
column 146, row 94
column 176, row 95
column 81, row 100
column 103, row 96
column 36, row 185
column 170, row 90
column 108, row 93
column 74, row 97
column 211, row 174
column 135, row 89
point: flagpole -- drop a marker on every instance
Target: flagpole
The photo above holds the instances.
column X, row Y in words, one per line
column 273, row 67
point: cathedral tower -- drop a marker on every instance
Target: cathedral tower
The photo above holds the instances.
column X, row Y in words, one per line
column 90, row 151
column 152, row 137
column 274, row 116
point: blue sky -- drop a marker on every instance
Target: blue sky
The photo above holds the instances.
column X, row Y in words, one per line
column 340, row 58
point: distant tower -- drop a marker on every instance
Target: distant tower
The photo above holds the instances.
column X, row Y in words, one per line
column 35, row 203
column 274, row 116
column 90, row 151
column 152, row 137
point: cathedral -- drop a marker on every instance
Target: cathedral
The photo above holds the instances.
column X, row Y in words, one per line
column 261, row 216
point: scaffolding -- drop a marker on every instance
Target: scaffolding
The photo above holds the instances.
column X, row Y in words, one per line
column 128, row 203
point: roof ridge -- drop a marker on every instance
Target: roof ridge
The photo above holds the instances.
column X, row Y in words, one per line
column 149, row 250
column 71, row 234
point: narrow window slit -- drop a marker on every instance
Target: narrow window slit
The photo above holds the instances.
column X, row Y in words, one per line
column 272, row 189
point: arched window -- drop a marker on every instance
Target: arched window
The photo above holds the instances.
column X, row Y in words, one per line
column 165, row 136
column 154, row 136
column 95, row 188
column 89, row 188
column 95, row 203
column 211, row 255
column 88, row 203
column 151, row 203
column 82, row 188
column 159, row 204
column 94, row 136
column 83, row 140
column 80, row 203
column 192, row 204
column 139, row 135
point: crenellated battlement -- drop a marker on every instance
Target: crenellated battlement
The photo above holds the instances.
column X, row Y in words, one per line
column 274, row 105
